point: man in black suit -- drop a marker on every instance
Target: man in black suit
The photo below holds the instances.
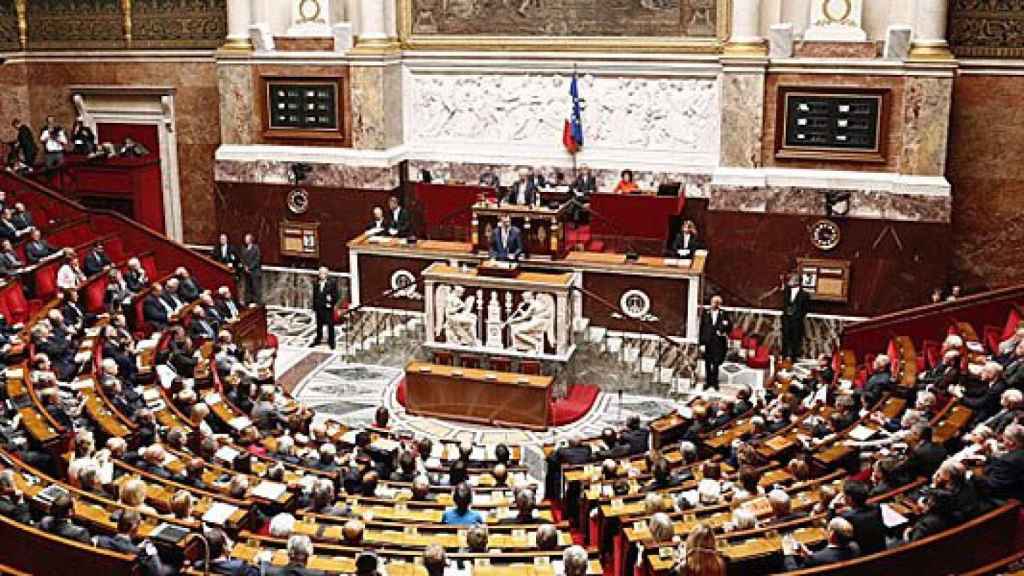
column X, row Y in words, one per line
column 325, row 297
column 1003, row 477
column 300, row 548
column 220, row 562
column 714, row 338
column 226, row 305
column 586, row 182
column 252, row 269
column 59, row 521
column 840, row 547
column 378, row 223
column 225, row 253
column 523, row 191
column 26, row 142
column 9, row 261
column 8, row 230
column 155, row 309
column 12, row 502
column 38, row 249
column 794, row 310
column 866, row 519
column 397, row 219
column 880, row 381
column 925, row 456
column 96, row 261
column 984, row 397
column 636, row 435
column 686, row 243
column 146, row 554
column 506, row 241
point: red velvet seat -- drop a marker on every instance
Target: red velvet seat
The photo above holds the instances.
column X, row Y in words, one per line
column 761, row 359
column 46, row 280
column 17, row 305
column 114, row 247
column 149, row 265
column 93, row 294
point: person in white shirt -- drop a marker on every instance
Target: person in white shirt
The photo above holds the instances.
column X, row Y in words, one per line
column 70, row 275
column 54, row 140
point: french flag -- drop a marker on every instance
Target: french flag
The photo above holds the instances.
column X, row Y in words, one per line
column 572, row 134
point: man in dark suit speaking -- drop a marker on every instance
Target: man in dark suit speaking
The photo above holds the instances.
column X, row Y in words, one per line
column 794, row 309
column 714, row 338
column 325, row 296
column 506, row 241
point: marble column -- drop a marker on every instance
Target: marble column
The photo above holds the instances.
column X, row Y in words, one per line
column 239, row 19
column 746, row 28
column 743, row 85
column 930, row 30
column 373, row 22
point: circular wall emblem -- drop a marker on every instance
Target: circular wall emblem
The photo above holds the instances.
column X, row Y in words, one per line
column 309, row 10
column 401, row 280
column 298, row 201
column 837, row 11
column 825, row 235
column 635, row 303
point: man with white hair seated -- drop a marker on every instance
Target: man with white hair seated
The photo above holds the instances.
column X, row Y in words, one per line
column 226, row 304
column 1003, row 476
column 281, row 525
column 1004, row 352
column 943, row 374
column 1014, row 373
column 880, row 381
column 840, row 547
column 574, row 561
column 782, row 510
column 984, row 399
column 300, row 550
column 188, row 288
column 1010, row 404
column 661, row 528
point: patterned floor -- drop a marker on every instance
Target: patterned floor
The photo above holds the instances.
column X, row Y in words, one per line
column 351, row 392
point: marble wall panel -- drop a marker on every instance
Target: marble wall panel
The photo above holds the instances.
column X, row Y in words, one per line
column 14, row 98
column 322, row 175
column 820, row 333
column 742, row 119
column 369, row 130
column 986, row 145
column 239, row 124
column 926, row 125
column 295, row 289
column 9, row 34
column 810, row 201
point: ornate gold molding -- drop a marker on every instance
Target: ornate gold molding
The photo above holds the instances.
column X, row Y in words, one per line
column 21, row 6
column 655, row 44
column 126, row 11
column 931, row 53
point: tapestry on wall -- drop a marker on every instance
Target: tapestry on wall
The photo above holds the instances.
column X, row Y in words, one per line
column 987, row 28
column 679, row 18
column 178, row 23
column 75, row 24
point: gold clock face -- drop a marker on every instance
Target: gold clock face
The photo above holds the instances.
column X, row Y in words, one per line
column 825, row 235
column 837, row 11
column 309, row 10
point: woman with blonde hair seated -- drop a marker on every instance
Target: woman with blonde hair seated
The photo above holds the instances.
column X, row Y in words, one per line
column 700, row 556
column 133, row 495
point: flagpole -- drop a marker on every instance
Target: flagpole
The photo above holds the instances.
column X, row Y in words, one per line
column 576, row 150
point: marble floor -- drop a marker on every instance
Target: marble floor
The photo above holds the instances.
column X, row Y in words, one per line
column 350, row 390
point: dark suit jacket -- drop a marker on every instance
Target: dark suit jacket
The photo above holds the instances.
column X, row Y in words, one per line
column 586, row 184
column 510, row 250
column 8, row 231
column 923, row 461
column 574, row 455
column 64, row 528
column 225, row 254
column 251, row 259
column 153, row 311
column 27, row 142
column 637, row 440
column 687, row 245
column 37, row 250
column 136, row 280
column 529, row 193
column 715, row 336
column 399, row 224
column 289, row 570
column 22, row 220
column 324, row 300
column 188, row 289
column 225, row 312
column 231, row 567
column 152, row 566
column 986, row 401
column 16, row 512
column 827, row 555
column 202, row 329
column 94, row 263
column 868, row 529
column 795, row 308
column 1004, row 476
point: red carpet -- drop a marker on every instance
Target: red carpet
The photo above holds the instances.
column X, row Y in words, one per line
column 565, row 411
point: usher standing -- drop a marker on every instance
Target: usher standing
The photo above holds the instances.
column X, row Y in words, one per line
column 714, row 337
column 325, row 296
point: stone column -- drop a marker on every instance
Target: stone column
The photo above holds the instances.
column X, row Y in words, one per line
column 746, row 28
column 930, row 30
column 239, row 18
column 373, row 29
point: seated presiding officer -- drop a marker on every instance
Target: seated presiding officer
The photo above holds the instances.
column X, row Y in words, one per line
column 523, row 191
column 626, row 184
column 686, row 242
column 397, row 223
column 506, row 241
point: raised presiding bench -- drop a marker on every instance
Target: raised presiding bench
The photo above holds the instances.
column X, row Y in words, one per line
column 543, row 227
column 496, row 398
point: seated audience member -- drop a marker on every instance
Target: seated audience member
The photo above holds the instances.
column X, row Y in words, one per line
column 10, row 263
column 70, row 275
column 476, row 539
column 924, row 456
column 525, row 502
column 117, row 296
column 132, row 149
column 984, row 397
column 781, row 508
column 146, row 553
column 377, row 222
column 135, row 276
column 281, row 525
column 1011, row 402
column 685, row 245
column 435, row 560
column 421, row 489
column 12, row 502
column 1003, row 475
column 155, row 308
column 626, row 184
column 866, row 519
column 574, row 561
column 300, row 549
column 226, row 304
column 462, row 496
column 702, row 557
column 398, row 221
column 59, row 520
column 324, row 500
column 8, row 230
column 133, row 496
column 840, row 547
column 221, row 562
column 21, row 217
column 660, row 527
column 38, row 249
column 200, row 328
column 96, row 261
column 950, row 501
column 523, row 191
column 352, row 533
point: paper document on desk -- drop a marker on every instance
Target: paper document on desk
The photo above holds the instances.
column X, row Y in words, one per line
column 226, row 454
column 862, row 433
column 269, row 490
column 240, row 423
column 892, row 518
column 219, row 513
